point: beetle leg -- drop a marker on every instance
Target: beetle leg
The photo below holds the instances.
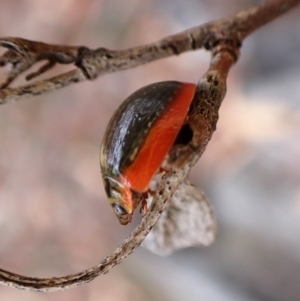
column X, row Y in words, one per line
column 162, row 171
column 144, row 201
column 144, row 207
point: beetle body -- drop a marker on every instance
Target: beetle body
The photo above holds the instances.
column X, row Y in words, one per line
column 138, row 138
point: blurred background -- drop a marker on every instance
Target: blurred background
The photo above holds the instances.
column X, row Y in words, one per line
column 54, row 216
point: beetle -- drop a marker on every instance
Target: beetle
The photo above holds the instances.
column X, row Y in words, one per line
column 138, row 138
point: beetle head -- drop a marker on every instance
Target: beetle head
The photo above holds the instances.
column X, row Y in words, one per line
column 120, row 198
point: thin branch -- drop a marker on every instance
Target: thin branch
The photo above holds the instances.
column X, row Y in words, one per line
column 127, row 247
column 211, row 89
column 22, row 54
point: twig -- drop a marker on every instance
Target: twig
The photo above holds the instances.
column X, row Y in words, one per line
column 223, row 38
column 22, row 54
column 211, row 88
column 127, row 247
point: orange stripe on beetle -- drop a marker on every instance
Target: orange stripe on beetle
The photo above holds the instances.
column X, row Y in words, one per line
column 159, row 140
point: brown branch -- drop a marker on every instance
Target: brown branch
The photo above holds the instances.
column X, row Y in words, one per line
column 222, row 38
column 127, row 247
column 22, row 54
column 212, row 88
